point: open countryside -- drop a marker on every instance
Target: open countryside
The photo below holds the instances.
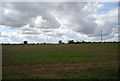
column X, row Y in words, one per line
column 61, row 61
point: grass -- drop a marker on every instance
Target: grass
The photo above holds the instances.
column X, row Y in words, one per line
column 73, row 61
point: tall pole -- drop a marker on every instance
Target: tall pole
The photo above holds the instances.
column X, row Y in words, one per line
column 101, row 36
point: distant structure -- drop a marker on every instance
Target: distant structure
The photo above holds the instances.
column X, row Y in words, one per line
column 101, row 36
column 25, row 42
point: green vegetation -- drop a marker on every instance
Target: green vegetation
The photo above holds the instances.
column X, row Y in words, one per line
column 61, row 61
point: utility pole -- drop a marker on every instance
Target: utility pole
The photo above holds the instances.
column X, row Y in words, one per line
column 101, row 36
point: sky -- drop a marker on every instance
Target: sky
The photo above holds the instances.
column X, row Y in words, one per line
column 39, row 22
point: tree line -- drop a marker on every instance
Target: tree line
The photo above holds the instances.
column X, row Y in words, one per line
column 60, row 42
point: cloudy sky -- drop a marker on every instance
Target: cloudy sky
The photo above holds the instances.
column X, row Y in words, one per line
column 39, row 22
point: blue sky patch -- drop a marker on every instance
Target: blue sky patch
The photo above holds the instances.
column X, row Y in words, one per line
column 8, row 30
column 108, row 6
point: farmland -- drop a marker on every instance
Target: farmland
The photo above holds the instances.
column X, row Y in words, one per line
column 60, row 61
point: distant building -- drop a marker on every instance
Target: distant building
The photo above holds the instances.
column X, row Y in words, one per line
column 25, row 42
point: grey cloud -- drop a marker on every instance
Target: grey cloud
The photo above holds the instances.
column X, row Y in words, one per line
column 50, row 22
column 3, row 36
column 30, row 33
column 23, row 13
column 76, row 16
column 55, row 35
column 47, row 30
column 15, row 20
column 0, row 13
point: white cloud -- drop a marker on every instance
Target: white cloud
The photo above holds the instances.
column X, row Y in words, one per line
column 106, row 22
column 51, row 22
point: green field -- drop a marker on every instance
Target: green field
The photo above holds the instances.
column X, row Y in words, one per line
column 68, row 61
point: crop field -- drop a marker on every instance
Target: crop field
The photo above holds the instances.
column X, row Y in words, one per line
column 60, row 61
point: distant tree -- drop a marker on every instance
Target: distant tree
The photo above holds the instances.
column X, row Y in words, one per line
column 77, row 42
column 44, row 43
column 8, row 43
column 71, row 42
column 25, row 42
column 83, row 41
column 89, row 42
column 60, row 42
